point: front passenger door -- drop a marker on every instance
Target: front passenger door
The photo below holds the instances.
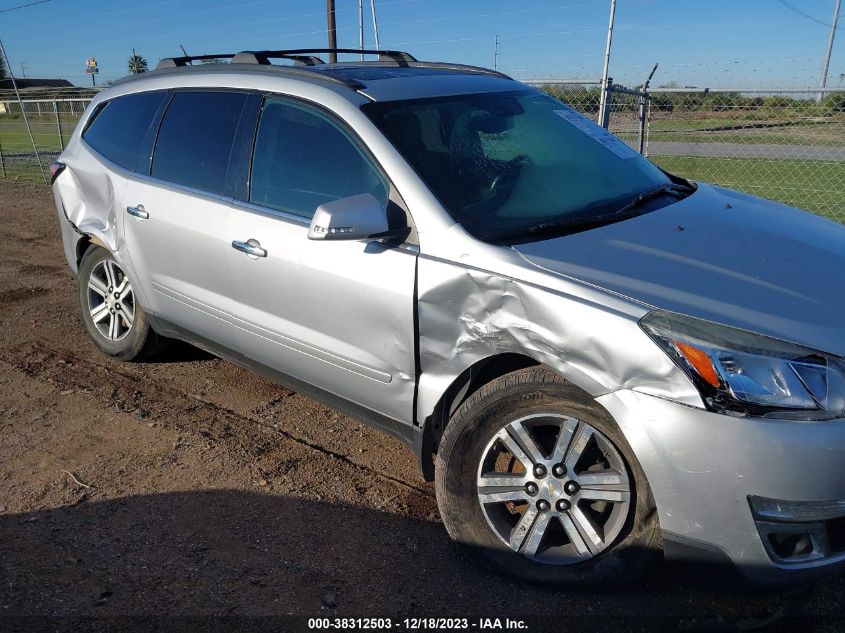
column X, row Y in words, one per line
column 338, row 315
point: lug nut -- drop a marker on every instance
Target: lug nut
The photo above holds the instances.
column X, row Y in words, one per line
column 539, row 471
column 559, row 470
column 543, row 505
column 531, row 488
column 111, row 289
column 563, row 505
column 117, row 295
column 111, row 310
column 571, row 487
column 117, row 306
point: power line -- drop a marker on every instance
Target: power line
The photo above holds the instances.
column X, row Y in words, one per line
column 807, row 15
column 24, row 6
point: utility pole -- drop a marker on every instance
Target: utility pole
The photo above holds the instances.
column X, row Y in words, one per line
column 496, row 55
column 375, row 23
column 23, row 71
column 826, row 61
column 605, row 89
column 331, row 27
column 361, row 27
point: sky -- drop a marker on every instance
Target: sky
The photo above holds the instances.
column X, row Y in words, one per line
column 703, row 43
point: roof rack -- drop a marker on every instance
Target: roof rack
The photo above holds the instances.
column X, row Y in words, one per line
column 174, row 62
column 301, row 56
column 308, row 55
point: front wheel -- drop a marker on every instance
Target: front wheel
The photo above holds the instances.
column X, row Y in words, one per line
column 110, row 311
column 534, row 478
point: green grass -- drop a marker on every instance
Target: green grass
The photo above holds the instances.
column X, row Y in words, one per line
column 817, row 186
column 15, row 138
column 827, row 133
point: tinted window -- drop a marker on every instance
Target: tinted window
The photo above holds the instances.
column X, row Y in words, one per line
column 302, row 160
column 121, row 125
column 195, row 139
column 514, row 163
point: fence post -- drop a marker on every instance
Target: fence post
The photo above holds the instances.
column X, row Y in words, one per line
column 607, row 104
column 2, row 161
column 642, row 141
column 59, row 125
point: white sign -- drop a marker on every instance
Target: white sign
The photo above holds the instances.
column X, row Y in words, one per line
column 598, row 133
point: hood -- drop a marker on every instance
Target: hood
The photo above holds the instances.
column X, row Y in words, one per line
column 722, row 256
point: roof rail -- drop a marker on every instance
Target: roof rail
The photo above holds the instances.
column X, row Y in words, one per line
column 263, row 57
column 175, row 62
column 301, row 56
column 304, row 57
column 309, row 58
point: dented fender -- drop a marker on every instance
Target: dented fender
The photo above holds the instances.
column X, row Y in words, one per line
column 592, row 339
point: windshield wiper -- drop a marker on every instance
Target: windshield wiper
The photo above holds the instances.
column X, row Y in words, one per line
column 650, row 195
column 567, row 226
column 582, row 223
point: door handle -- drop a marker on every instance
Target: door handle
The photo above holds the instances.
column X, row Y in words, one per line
column 138, row 212
column 250, row 247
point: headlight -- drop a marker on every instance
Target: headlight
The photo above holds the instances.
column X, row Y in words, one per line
column 750, row 374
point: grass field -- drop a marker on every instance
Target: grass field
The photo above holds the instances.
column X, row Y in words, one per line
column 817, row 186
column 826, row 132
column 15, row 138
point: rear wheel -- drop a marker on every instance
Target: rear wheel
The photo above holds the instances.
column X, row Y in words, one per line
column 534, row 478
column 109, row 308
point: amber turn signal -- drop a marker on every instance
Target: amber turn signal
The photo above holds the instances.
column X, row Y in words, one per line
column 700, row 361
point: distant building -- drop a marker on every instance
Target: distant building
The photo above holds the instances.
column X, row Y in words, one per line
column 40, row 92
column 29, row 84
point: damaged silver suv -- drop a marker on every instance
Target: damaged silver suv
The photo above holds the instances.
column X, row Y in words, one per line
column 598, row 363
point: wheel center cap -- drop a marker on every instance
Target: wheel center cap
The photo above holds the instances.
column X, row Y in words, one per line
column 552, row 489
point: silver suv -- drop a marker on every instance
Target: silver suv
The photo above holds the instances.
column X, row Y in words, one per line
column 597, row 362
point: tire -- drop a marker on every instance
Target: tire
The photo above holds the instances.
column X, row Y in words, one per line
column 118, row 326
column 504, row 534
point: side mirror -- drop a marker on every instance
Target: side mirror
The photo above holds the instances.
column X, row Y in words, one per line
column 354, row 218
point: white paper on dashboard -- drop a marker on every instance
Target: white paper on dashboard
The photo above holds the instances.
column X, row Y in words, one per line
column 598, row 133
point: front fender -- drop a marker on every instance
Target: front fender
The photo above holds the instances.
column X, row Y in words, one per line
column 467, row 315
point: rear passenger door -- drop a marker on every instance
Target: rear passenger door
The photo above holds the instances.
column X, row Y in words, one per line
column 176, row 213
column 338, row 315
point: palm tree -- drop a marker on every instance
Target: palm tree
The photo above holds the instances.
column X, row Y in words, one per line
column 137, row 64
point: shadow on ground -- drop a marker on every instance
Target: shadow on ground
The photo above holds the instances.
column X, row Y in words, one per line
column 232, row 554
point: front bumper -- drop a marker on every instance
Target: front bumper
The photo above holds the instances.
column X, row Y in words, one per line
column 702, row 468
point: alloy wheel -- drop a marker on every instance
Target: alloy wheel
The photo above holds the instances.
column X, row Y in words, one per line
column 111, row 301
column 554, row 489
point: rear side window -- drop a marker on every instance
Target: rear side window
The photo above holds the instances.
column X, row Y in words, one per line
column 195, row 139
column 303, row 159
column 120, row 126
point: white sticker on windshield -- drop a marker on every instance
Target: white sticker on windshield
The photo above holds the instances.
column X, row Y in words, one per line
column 598, row 133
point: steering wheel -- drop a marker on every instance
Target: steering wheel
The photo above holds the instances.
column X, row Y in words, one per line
column 507, row 177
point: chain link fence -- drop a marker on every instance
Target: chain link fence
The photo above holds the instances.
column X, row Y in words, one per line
column 786, row 145
column 52, row 115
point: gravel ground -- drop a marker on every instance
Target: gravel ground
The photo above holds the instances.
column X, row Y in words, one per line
column 187, row 486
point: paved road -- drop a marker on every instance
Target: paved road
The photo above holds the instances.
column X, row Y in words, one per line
column 746, row 150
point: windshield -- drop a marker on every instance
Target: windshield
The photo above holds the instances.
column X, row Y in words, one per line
column 506, row 163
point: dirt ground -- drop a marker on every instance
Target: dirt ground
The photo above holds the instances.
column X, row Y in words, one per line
column 187, row 486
